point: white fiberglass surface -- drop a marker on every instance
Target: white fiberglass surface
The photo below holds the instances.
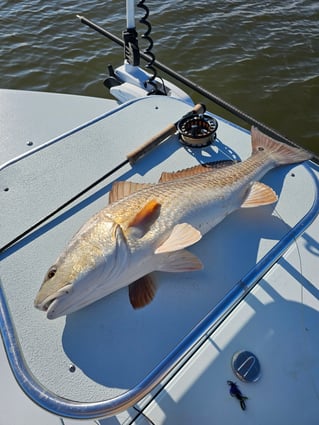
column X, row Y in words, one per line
column 278, row 322
column 107, row 348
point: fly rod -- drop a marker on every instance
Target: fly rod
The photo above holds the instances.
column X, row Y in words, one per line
column 131, row 158
column 223, row 103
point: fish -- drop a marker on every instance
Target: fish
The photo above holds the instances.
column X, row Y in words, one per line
column 234, row 391
column 147, row 227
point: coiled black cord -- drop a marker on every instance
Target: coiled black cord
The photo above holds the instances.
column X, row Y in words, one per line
column 148, row 51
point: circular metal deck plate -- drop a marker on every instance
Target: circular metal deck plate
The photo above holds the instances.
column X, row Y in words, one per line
column 246, row 366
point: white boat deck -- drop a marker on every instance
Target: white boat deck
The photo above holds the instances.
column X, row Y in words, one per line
column 278, row 322
column 111, row 348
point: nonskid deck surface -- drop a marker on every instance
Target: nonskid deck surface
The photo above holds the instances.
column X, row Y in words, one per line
column 107, row 348
column 277, row 322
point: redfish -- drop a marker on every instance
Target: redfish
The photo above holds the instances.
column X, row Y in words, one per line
column 147, row 228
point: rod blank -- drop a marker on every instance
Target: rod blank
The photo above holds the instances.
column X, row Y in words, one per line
column 216, row 99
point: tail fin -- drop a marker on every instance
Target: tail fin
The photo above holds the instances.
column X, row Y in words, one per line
column 279, row 152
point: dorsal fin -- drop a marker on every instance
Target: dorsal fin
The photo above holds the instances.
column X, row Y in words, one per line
column 259, row 194
column 197, row 169
column 142, row 291
column 122, row 189
column 145, row 217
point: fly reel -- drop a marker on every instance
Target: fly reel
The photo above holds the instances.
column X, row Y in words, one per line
column 197, row 130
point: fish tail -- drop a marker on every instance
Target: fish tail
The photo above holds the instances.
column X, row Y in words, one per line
column 281, row 153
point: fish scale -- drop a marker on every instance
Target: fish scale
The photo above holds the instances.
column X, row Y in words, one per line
column 191, row 196
column 147, row 227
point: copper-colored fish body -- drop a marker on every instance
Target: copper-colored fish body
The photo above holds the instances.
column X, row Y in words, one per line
column 146, row 228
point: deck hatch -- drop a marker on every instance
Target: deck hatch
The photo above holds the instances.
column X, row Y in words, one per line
column 37, row 348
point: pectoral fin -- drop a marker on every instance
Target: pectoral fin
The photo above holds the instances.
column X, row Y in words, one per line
column 259, row 194
column 182, row 235
column 142, row 291
column 145, row 218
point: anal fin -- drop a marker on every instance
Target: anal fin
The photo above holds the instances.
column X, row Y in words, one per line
column 259, row 194
column 142, row 291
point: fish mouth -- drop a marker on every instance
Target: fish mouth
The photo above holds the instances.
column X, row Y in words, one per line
column 50, row 303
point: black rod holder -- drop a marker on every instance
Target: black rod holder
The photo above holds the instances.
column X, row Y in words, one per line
column 131, row 50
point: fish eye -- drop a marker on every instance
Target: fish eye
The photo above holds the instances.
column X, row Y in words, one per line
column 51, row 272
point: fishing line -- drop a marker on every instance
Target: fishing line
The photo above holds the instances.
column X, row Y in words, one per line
column 131, row 158
column 304, row 328
column 144, row 416
column 226, row 105
column 212, row 97
column 61, row 207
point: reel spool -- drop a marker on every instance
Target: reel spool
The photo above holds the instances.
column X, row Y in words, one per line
column 198, row 130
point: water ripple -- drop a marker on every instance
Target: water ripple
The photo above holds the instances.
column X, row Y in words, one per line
column 261, row 56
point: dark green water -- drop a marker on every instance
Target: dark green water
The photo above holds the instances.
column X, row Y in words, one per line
column 262, row 57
